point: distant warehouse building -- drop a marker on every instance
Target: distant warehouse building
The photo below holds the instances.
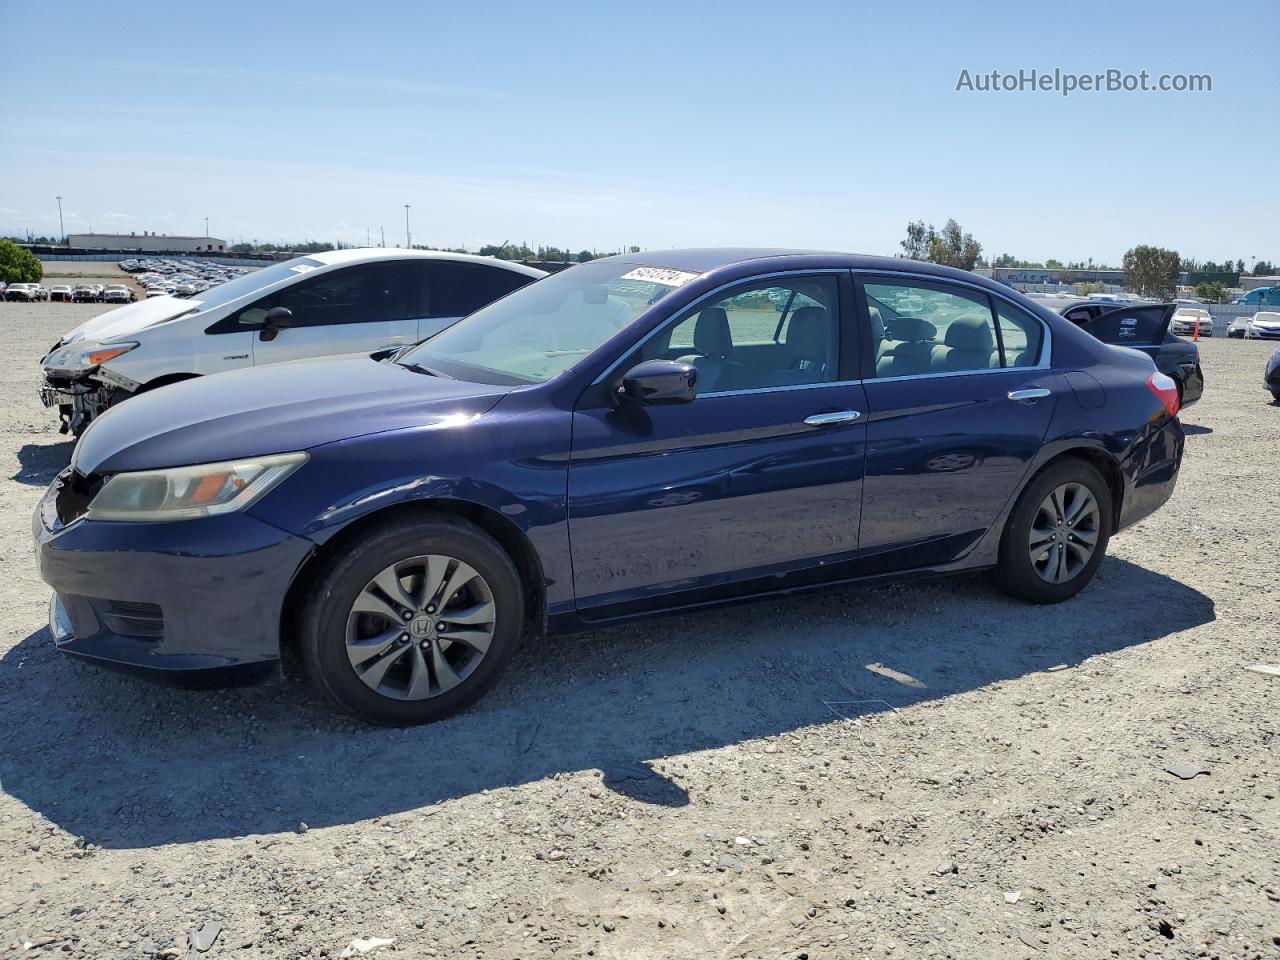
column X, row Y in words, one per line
column 145, row 243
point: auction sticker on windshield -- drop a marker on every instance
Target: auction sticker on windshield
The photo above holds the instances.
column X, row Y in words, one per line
column 662, row 275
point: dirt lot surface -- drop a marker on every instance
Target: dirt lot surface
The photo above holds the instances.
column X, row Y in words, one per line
column 918, row 771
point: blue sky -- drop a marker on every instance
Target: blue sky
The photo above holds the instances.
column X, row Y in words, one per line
column 656, row 124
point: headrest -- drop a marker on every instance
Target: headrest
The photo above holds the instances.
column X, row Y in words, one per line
column 970, row 331
column 877, row 323
column 807, row 334
column 711, row 335
column 911, row 328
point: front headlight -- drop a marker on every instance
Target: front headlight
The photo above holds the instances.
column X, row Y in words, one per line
column 184, row 493
column 83, row 356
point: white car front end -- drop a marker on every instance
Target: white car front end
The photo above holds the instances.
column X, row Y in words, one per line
column 1185, row 323
column 1265, row 325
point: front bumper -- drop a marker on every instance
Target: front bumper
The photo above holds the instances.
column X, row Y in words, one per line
column 80, row 397
column 190, row 603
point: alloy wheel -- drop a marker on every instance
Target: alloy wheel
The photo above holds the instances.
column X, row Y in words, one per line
column 1064, row 533
column 420, row 627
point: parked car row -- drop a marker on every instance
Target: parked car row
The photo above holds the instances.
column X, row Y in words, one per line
column 160, row 276
column 26, row 292
column 1263, row 325
column 65, row 293
column 637, row 434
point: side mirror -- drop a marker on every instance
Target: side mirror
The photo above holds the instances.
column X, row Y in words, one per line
column 660, row 381
column 278, row 317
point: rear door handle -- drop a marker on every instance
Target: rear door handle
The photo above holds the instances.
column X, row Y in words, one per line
column 1030, row 395
column 832, row 418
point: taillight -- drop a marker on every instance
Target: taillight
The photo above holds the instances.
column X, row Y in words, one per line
column 1164, row 387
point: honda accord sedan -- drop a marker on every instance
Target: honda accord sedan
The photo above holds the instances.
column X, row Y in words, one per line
column 635, row 435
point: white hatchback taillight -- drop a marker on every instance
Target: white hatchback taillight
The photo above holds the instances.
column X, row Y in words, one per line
column 1164, row 387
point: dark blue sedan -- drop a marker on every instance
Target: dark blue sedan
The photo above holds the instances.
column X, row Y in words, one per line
column 634, row 435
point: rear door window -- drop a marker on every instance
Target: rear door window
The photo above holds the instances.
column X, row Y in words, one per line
column 922, row 327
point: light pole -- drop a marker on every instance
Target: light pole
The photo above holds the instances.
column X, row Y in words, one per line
column 206, row 227
column 408, row 241
column 61, row 229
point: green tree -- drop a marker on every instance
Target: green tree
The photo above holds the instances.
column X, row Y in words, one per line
column 919, row 239
column 1151, row 271
column 1053, row 264
column 1213, row 291
column 1005, row 260
column 19, row 265
column 1263, row 268
column 949, row 246
column 955, row 249
column 585, row 255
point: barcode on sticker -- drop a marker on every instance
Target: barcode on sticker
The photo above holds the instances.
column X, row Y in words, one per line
column 663, row 275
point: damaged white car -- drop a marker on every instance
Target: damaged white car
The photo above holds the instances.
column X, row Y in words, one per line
column 344, row 301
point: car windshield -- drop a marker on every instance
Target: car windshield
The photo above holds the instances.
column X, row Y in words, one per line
column 543, row 329
column 242, row 286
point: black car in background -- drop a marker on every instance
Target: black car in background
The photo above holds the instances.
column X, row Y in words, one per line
column 1144, row 327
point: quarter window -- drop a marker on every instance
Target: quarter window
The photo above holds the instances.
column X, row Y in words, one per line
column 767, row 334
column 1020, row 336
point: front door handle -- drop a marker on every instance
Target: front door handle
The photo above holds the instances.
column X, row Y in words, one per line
column 1030, row 395
column 832, row 418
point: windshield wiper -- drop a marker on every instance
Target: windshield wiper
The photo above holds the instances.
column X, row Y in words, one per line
column 427, row 370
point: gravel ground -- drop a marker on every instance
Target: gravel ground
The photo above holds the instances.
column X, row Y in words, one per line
column 917, row 771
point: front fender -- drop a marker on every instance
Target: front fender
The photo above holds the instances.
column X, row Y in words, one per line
column 517, row 468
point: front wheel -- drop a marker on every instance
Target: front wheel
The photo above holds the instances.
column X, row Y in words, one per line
column 1057, row 534
column 413, row 622
column 1275, row 395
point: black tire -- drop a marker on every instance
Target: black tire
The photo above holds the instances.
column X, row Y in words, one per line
column 1275, row 395
column 323, row 639
column 1015, row 573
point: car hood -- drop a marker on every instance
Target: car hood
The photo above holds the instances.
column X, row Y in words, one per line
column 274, row 409
column 131, row 319
column 1267, row 324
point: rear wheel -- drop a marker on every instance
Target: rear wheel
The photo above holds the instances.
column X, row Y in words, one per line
column 412, row 623
column 1057, row 534
column 1275, row 394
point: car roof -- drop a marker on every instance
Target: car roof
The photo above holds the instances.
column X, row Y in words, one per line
column 707, row 259
column 371, row 254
